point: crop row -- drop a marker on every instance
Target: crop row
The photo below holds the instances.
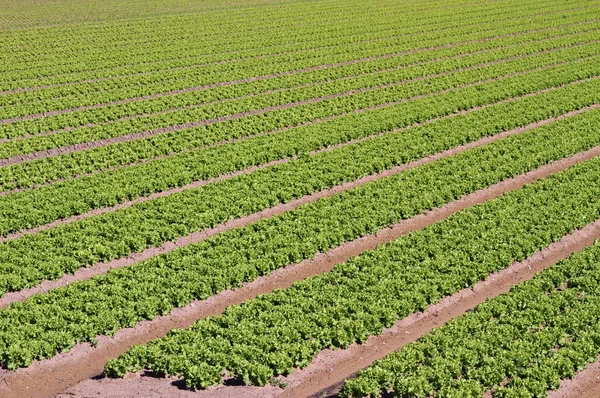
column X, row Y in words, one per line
column 63, row 166
column 21, row 16
column 106, row 91
column 189, row 30
column 431, row 62
column 220, row 101
column 520, row 344
column 43, row 205
column 269, row 335
column 358, row 34
column 129, row 36
column 30, row 108
column 340, row 96
column 152, row 65
column 49, row 254
column 47, row 323
column 196, row 51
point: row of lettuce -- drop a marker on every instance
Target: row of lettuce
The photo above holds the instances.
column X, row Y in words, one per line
column 310, row 101
column 217, row 43
column 199, row 95
column 520, row 344
column 343, row 29
column 45, row 324
column 31, row 208
column 49, row 254
column 466, row 88
column 270, row 335
column 106, row 91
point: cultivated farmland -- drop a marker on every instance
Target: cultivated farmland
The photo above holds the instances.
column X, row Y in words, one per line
column 294, row 198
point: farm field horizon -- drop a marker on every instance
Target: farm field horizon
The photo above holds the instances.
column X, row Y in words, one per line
column 300, row 198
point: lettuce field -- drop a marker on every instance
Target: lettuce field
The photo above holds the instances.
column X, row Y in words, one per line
column 300, row 198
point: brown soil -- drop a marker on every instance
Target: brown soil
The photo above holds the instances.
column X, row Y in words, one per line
column 585, row 384
column 83, row 361
column 270, row 76
column 101, row 268
column 151, row 387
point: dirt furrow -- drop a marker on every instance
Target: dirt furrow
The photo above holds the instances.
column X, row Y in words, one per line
column 269, row 76
column 585, row 384
column 84, row 361
column 195, row 237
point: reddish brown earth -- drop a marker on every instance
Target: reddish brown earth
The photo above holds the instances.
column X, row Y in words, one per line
column 585, row 384
column 84, row 361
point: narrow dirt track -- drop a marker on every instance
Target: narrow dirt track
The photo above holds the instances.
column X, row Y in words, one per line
column 585, row 384
column 84, row 361
column 101, row 268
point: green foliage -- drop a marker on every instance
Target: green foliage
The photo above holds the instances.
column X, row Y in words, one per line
column 325, row 99
column 443, row 95
column 356, row 298
column 106, row 303
column 520, row 344
column 255, row 82
column 49, row 254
